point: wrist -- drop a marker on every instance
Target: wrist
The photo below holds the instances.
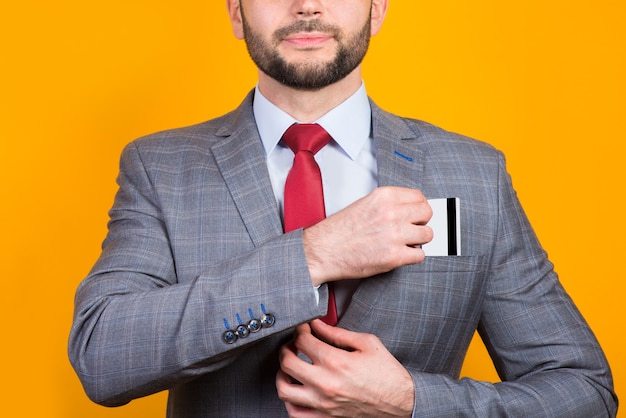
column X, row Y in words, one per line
column 314, row 260
column 405, row 397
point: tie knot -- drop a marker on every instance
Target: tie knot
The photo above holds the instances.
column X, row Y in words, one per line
column 306, row 137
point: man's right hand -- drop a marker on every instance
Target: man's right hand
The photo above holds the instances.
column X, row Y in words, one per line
column 382, row 231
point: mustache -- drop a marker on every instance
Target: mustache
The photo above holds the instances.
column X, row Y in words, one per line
column 306, row 26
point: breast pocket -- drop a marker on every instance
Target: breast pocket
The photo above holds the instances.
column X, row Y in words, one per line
column 427, row 306
column 449, row 288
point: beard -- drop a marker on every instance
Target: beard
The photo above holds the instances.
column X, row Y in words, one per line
column 307, row 75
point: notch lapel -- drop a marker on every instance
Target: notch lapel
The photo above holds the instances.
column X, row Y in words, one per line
column 399, row 159
column 240, row 157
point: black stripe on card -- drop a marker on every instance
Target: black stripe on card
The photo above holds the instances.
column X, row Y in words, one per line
column 452, row 250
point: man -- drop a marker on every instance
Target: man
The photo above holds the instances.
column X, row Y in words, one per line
column 200, row 292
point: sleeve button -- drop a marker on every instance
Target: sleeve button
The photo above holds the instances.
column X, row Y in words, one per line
column 242, row 331
column 254, row 325
column 267, row 320
column 230, row 336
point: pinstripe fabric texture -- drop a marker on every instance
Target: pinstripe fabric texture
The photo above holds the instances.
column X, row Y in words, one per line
column 195, row 242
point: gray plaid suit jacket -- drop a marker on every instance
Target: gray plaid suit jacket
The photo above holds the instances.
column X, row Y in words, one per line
column 195, row 245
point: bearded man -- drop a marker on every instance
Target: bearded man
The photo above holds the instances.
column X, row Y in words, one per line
column 221, row 257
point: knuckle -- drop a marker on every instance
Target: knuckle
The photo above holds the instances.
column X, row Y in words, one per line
column 428, row 233
column 371, row 339
column 332, row 391
column 419, row 196
column 428, row 210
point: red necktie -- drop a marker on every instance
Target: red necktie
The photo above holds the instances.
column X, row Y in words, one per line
column 304, row 196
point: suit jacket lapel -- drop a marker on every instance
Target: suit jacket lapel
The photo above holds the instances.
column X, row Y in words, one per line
column 241, row 160
column 399, row 159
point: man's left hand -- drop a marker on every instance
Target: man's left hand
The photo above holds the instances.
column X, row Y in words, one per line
column 351, row 374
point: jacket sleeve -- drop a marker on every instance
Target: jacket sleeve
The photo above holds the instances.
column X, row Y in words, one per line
column 138, row 330
column 550, row 363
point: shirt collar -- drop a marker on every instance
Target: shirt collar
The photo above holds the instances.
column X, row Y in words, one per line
column 349, row 123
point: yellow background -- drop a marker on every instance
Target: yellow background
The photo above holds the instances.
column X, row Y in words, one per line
column 541, row 80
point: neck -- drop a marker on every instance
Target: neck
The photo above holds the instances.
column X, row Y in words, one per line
column 307, row 106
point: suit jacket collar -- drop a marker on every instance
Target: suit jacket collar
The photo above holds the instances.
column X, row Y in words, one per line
column 241, row 159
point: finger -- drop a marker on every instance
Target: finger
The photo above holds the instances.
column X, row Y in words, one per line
column 288, row 352
column 402, row 194
column 309, row 348
column 408, row 246
column 302, row 329
column 335, row 336
column 410, row 254
column 418, row 212
column 301, row 332
column 295, row 363
column 409, row 205
column 297, row 397
column 418, row 235
column 283, row 380
column 421, row 213
column 285, row 349
column 345, row 339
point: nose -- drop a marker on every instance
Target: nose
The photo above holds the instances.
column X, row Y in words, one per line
column 308, row 8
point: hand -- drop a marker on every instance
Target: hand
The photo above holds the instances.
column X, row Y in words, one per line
column 352, row 375
column 382, row 231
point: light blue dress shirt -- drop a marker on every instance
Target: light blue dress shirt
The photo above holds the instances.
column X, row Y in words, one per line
column 347, row 163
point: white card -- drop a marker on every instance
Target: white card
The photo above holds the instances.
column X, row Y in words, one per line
column 446, row 227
